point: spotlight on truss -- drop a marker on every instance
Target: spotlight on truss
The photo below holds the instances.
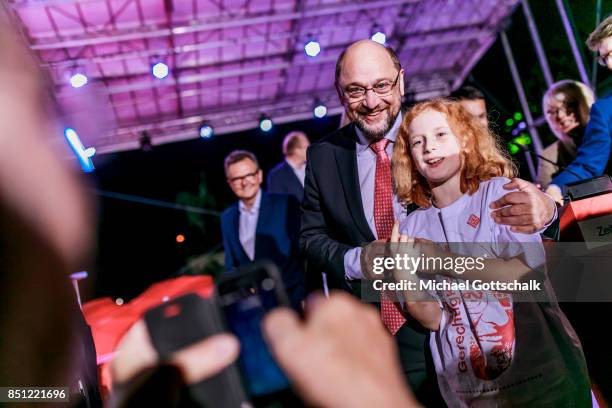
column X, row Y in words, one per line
column 379, row 37
column 265, row 123
column 320, row 110
column 78, row 80
column 83, row 155
column 312, row 48
column 160, row 70
column 205, row 131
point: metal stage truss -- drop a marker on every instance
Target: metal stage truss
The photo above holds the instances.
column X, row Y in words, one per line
column 231, row 61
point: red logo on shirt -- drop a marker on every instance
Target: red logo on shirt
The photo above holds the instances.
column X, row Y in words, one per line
column 473, row 221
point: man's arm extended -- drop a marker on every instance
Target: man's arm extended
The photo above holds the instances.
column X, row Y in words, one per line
column 527, row 210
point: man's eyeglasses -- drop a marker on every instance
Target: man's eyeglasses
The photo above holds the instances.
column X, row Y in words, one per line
column 382, row 88
column 247, row 177
column 603, row 59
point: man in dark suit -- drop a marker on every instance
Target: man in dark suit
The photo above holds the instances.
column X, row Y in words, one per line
column 287, row 177
column 348, row 197
column 261, row 225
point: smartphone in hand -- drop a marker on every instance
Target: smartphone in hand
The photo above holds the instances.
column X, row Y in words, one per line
column 184, row 321
column 242, row 300
column 245, row 297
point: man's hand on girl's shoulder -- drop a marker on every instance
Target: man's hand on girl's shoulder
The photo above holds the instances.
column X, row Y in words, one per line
column 527, row 210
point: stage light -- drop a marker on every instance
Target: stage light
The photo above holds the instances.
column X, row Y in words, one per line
column 160, row 70
column 509, row 122
column 513, row 148
column 312, row 48
column 119, row 301
column 180, row 238
column 518, row 116
column 522, row 139
column 320, row 111
column 205, row 131
column 83, row 155
column 90, row 151
column 379, row 37
column 265, row 124
column 78, row 80
column 519, row 128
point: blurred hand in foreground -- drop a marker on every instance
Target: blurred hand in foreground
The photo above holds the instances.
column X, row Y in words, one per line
column 340, row 356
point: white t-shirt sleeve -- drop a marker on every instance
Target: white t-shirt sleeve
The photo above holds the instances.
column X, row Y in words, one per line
column 507, row 244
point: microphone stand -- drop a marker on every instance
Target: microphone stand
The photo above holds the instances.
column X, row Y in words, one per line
column 531, row 152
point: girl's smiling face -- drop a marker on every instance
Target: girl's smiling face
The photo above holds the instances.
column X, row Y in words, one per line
column 434, row 147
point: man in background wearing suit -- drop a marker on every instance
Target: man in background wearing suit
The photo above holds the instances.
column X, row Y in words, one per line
column 349, row 200
column 261, row 225
column 287, row 177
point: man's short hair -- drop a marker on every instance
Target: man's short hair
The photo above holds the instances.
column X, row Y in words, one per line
column 237, row 156
column 292, row 141
column 467, row 92
column 603, row 31
column 394, row 58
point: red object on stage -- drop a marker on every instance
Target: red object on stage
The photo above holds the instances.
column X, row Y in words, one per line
column 580, row 219
column 109, row 321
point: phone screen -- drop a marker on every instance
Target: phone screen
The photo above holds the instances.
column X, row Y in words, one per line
column 245, row 302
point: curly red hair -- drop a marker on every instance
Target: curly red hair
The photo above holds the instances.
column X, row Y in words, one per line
column 481, row 155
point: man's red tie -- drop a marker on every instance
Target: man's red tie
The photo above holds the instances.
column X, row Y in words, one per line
column 383, row 221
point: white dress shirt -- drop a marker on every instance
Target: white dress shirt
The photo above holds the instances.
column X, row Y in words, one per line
column 248, row 225
column 366, row 168
column 300, row 172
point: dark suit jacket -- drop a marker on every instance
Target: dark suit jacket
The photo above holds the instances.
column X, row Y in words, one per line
column 276, row 239
column 333, row 221
column 282, row 179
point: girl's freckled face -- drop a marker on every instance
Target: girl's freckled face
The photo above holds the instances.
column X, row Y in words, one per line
column 434, row 147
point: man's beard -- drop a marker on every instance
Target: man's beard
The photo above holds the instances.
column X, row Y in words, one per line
column 379, row 134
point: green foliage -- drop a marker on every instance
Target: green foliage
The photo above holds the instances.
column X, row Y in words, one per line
column 203, row 199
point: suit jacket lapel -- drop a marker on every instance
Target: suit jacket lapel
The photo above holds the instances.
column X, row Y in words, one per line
column 235, row 227
column 292, row 176
column 346, row 160
column 262, row 219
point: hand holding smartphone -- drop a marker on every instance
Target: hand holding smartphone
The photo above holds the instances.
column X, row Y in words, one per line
column 243, row 299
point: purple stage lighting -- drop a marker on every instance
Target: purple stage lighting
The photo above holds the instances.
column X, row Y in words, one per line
column 312, row 48
column 160, row 70
column 78, row 80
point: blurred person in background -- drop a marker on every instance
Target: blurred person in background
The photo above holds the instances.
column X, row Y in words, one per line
column 593, row 155
column 600, row 125
column 287, row 177
column 472, row 99
column 566, row 105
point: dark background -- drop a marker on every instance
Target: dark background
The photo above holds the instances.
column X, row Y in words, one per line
column 136, row 241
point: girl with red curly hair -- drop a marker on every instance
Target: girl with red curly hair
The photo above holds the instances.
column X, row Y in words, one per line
column 496, row 339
